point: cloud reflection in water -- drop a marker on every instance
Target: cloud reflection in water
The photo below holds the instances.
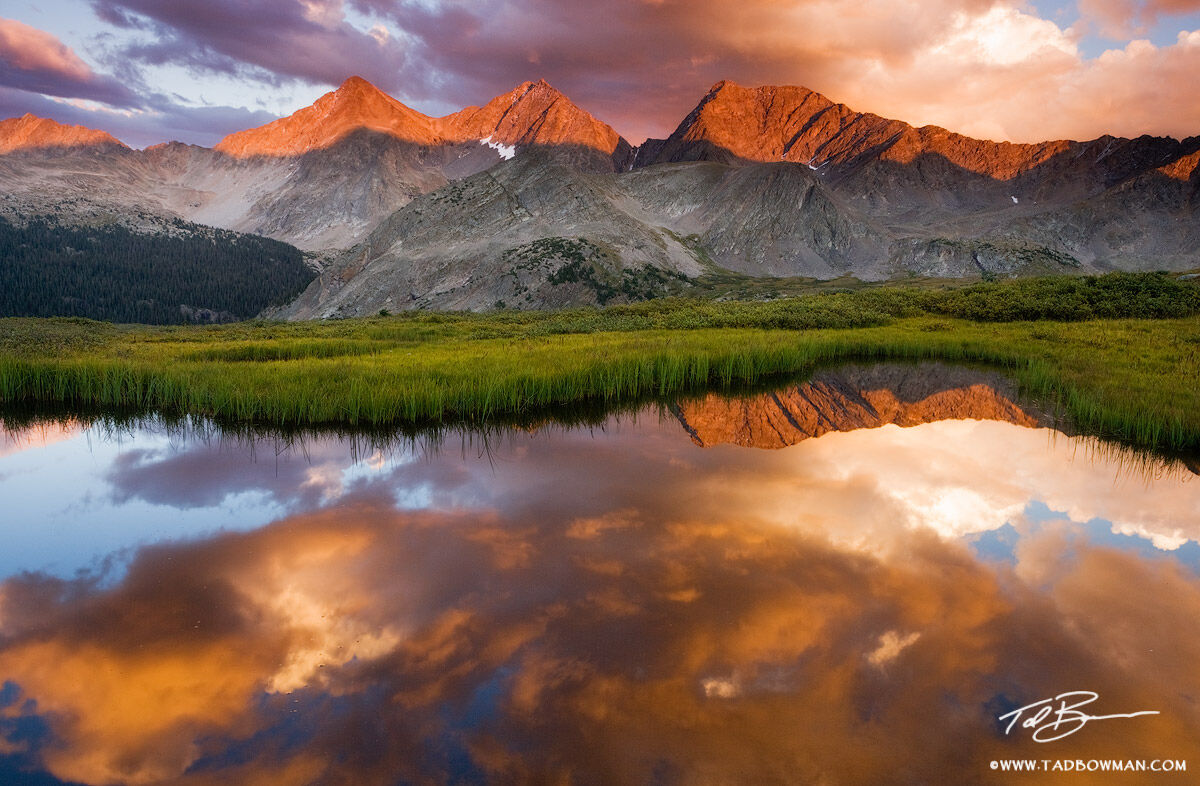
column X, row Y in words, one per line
column 621, row 607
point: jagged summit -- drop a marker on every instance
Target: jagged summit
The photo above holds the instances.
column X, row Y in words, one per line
column 534, row 113
column 791, row 123
column 356, row 82
column 356, row 104
column 774, row 123
column 30, row 132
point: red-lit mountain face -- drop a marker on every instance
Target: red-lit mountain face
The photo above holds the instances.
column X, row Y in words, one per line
column 38, row 133
column 738, row 125
column 357, row 104
column 532, row 114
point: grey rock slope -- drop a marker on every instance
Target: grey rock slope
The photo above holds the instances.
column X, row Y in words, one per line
column 536, row 232
column 530, row 232
column 957, row 206
column 322, row 199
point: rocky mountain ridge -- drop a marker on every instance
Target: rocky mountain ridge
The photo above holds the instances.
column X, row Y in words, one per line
column 534, row 113
column 530, row 201
column 356, row 104
column 790, row 123
column 320, row 179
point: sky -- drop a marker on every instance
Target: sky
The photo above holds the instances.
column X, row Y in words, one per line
column 150, row 71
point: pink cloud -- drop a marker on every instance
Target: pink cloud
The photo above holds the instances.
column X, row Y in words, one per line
column 1125, row 18
column 29, row 49
column 36, row 61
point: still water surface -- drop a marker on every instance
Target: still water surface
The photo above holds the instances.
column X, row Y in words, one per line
column 843, row 582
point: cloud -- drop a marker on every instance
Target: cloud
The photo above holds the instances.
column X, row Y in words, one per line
column 42, row 76
column 1120, row 19
column 1125, row 92
column 160, row 120
column 274, row 42
column 978, row 67
column 32, row 50
column 205, row 476
column 34, row 60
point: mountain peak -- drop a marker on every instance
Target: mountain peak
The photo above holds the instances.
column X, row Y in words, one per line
column 540, row 84
column 789, row 123
column 356, row 104
column 358, row 90
column 534, row 113
column 30, row 132
column 851, row 399
column 733, row 122
column 356, row 83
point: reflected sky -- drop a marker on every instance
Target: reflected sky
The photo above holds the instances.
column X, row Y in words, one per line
column 604, row 605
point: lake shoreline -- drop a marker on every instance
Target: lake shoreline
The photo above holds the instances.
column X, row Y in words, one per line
column 1126, row 379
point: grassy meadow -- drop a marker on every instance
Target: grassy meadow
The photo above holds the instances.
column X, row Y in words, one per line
column 1119, row 354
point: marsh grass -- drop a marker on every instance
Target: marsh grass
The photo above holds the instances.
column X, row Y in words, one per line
column 1130, row 377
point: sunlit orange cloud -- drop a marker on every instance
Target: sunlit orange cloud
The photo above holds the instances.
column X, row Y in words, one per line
column 856, row 487
column 133, row 677
column 925, row 479
column 37, row 61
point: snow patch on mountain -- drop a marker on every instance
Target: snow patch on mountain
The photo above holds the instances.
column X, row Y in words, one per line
column 506, row 151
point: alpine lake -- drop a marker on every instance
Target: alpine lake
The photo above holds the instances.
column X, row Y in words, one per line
column 886, row 574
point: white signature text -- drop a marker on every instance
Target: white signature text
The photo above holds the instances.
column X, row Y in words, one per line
column 1053, row 719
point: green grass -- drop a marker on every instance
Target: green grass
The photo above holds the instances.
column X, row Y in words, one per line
column 1119, row 354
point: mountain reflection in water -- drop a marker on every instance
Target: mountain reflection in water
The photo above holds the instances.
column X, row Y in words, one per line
column 614, row 605
column 855, row 397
